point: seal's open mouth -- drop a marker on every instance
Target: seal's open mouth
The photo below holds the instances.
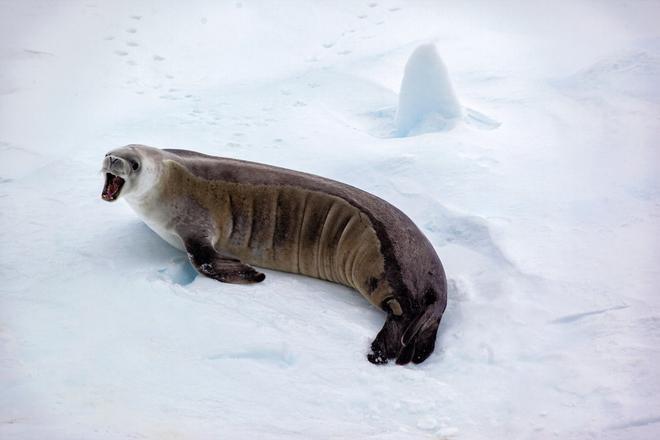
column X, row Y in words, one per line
column 112, row 187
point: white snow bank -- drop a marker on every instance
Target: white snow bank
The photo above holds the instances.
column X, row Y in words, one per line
column 427, row 101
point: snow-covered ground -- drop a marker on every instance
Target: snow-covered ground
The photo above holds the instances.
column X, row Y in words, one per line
column 543, row 203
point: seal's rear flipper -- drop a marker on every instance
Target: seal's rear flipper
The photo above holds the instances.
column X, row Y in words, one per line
column 388, row 341
column 209, row 262
column 419, row 337
column 406, row 339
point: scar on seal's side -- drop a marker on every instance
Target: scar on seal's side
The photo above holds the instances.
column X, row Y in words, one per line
column 230, row 214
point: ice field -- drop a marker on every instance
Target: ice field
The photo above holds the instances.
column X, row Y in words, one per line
column 524, row 144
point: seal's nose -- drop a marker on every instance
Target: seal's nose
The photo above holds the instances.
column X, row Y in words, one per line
column 113, row 164
column 107, row 162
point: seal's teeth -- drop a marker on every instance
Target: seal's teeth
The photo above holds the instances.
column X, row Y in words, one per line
column 112, row 187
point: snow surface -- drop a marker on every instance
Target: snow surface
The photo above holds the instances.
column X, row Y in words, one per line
column 547, row 224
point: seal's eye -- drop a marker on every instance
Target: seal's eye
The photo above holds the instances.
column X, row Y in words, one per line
column 135, row 166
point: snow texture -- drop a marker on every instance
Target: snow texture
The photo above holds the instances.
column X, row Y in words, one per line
column 543, row 203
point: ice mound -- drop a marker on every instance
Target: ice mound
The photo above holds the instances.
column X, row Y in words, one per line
column 427, row 101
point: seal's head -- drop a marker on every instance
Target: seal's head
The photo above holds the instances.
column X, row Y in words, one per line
column 131, row 171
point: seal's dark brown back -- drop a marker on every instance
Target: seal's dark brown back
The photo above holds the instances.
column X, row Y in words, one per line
column 412, row 270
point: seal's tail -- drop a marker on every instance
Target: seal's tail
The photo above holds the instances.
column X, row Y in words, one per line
column 418, row 338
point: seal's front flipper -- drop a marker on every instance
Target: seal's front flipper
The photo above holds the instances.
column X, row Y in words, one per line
column 209, row 262
column 387, row 344
column 229, row 270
